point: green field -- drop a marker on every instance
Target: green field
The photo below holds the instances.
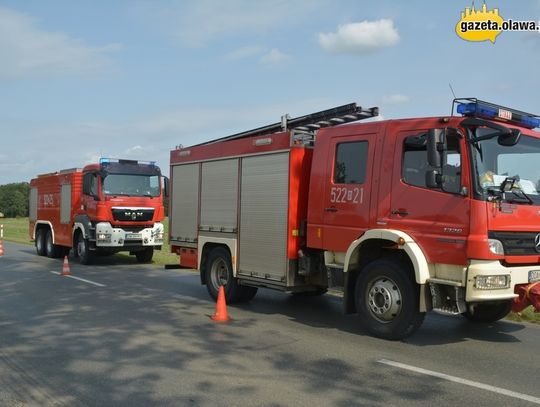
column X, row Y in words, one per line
column 16, row 230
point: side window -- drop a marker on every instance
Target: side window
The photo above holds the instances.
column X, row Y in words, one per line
column 351, row 162
column 90, row 184
column 415, row 165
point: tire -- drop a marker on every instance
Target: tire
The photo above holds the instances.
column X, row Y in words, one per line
column 387, row 300
column 247, row 293
column 145, row 256
column 218, row 271
column 40, row 242
column 51, row 250
column 82, row 250
column 488, row 312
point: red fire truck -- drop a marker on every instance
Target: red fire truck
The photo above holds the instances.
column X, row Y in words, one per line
column 115, row 205
column 398, row 216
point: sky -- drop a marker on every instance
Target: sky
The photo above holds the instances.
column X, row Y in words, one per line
column 133, row 79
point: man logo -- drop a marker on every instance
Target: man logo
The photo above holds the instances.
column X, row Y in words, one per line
column 537, row 243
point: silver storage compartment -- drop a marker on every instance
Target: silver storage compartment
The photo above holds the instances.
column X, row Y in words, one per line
column 263, row 216
column 184, row 210
column 32, row 204
column 65, row 204
column 219, row 196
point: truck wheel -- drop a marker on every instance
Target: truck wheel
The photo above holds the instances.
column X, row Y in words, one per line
column 387, row 300
column 82, row 250
column 51, row 250
column 247, row 293
column 488, row 311
column 40, row 242
column 219, row 272
column 145, row 256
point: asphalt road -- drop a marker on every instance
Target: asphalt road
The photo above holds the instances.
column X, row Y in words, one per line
column 144, row 338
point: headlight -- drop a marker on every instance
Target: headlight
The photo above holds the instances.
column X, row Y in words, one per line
column 492, row 282
column 496, row 247
column 104, row 237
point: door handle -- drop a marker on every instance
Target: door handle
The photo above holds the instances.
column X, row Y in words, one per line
column 331, row 209
column 400, row 212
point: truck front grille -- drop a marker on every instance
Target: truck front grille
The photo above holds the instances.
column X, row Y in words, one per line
column 133, row 214
column 518, row 243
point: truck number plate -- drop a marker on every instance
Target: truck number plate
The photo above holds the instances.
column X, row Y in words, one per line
column 534, row 275
column 133, row 236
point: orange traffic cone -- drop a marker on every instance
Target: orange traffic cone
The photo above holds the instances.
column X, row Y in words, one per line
column 221, row 307
column 1, row 248
column 65, row 268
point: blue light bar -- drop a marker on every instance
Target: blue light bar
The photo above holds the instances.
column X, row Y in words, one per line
column 494, row 112
column 107, row 161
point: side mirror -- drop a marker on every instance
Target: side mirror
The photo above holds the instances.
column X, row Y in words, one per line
column 166, row 187
column 433, row 179
column 436, row 146
column 509, row 140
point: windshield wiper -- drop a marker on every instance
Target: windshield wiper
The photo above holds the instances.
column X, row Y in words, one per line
column 509, row 185
column 501, row 192
column 521, row 195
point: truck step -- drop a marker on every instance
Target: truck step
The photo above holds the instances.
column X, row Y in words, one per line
column 447, row 310
column 335, row 265
column 334, row 292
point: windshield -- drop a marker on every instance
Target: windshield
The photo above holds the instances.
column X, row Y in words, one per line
column 131, row 185
column 494, row 163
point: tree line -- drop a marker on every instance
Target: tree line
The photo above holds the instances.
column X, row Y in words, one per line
column 14, row 199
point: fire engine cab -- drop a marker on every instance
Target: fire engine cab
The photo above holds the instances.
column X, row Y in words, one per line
column 399, row 217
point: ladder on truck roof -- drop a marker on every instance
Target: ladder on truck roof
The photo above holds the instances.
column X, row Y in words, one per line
column 310, row 122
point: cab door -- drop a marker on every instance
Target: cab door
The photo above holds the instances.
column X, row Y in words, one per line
column 346, row 198
column 90, row 193
column 436, row 218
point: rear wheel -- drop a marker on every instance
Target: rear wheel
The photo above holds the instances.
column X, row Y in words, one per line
column 51, row 250
column 82, row 250
column 387, row 300
column 40, row 242
column 218, row 272
column 488, row 312
column 145, row 256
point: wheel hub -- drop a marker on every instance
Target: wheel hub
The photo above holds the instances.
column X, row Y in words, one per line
column 219, row 273
column 384, row 299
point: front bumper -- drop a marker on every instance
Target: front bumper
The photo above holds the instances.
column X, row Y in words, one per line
column 109, row 236
column 517, row 275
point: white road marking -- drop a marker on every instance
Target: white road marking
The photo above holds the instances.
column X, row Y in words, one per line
column 80, row 279
column 459, row 380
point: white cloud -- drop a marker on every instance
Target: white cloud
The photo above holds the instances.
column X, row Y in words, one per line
column 273, row 57
column 244, row 52
column 27, row 49
column 360, row 38
column 395, row 99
